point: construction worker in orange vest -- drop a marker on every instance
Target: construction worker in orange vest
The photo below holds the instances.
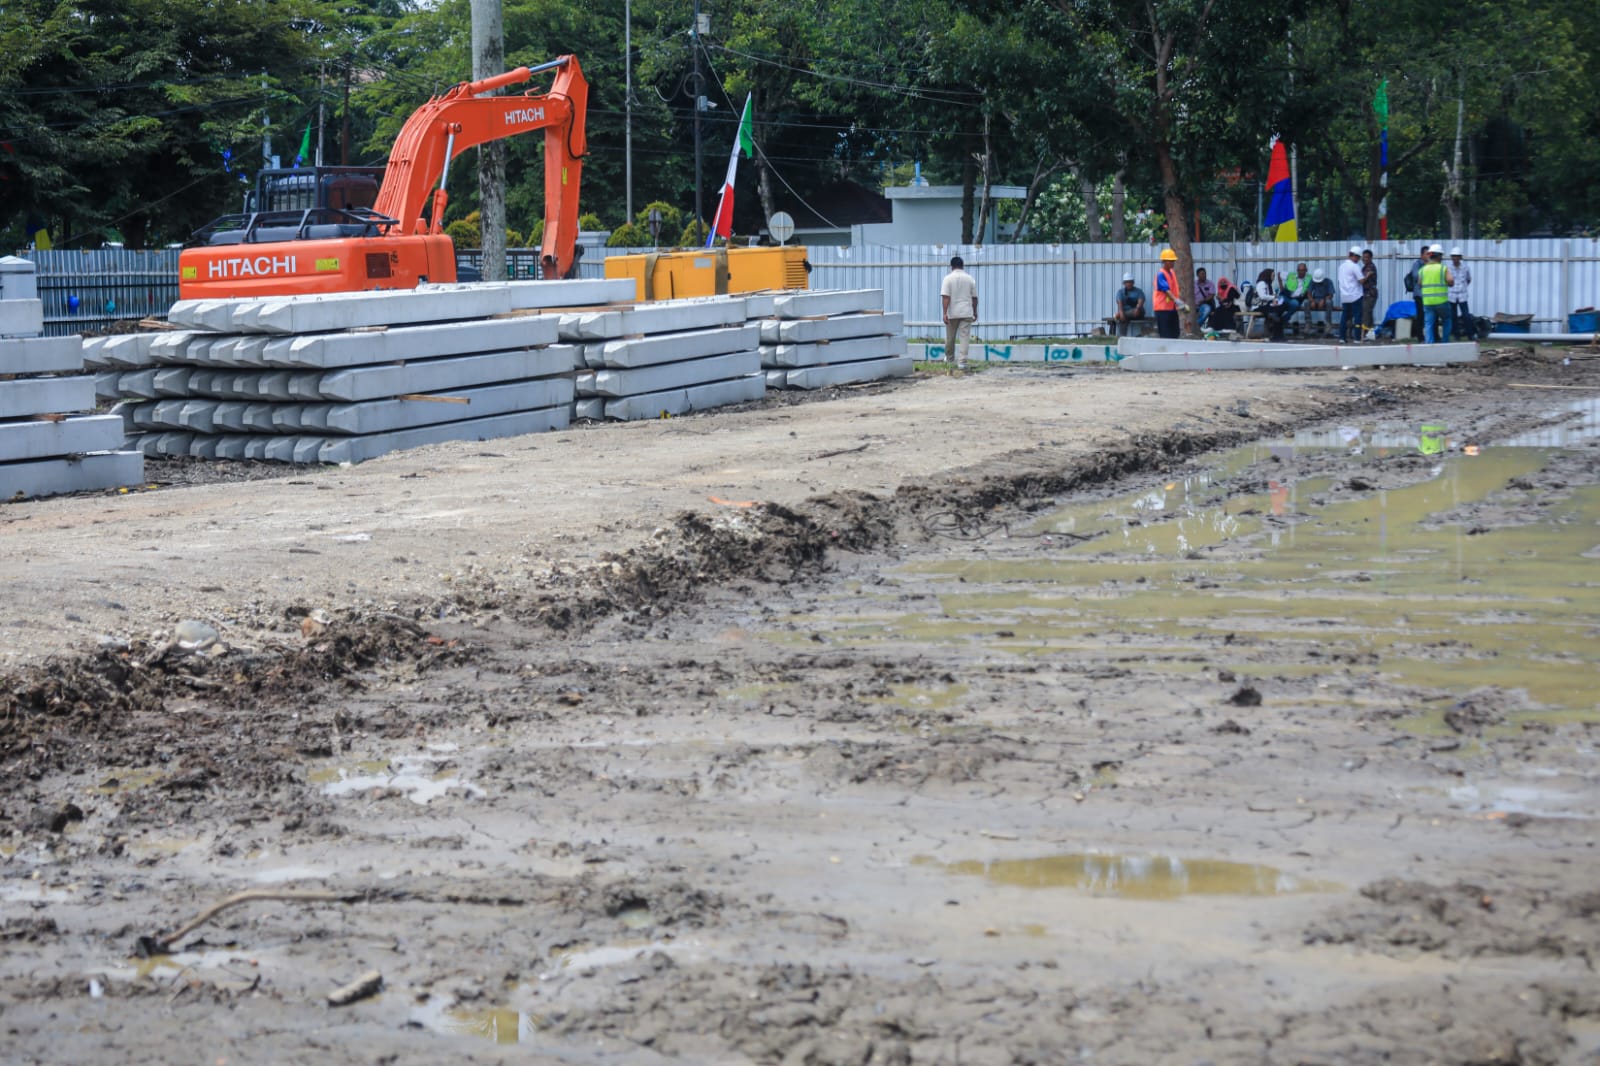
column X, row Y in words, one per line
column 1167, row 302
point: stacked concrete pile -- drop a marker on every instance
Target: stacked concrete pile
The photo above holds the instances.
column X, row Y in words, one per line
column 665, row 358
column 841, row 337
column 46, row 445
column 348, row 377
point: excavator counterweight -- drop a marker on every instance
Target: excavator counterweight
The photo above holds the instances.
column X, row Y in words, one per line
column 335, row 239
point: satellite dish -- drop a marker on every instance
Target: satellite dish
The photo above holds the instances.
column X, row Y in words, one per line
column 781, row 226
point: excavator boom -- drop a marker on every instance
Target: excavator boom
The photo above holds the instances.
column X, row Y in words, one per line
column 399, row 242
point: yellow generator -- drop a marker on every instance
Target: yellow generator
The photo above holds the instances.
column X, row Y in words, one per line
column 711, row 271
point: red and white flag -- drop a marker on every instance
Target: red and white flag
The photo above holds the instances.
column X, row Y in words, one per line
column 722, row 225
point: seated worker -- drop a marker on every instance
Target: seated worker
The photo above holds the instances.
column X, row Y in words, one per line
column 1265, row 298
column 1294, row 291
column 1225, row 318
column 1129, row 306
column 1320, row 296
column 1205, row 297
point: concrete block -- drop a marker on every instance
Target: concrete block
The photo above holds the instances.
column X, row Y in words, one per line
column 1224, row 355
column 171, row 381
column 817, row 377
column 172, row 347
column 17, row 279
column 256, row 447
column 229, row 417
column 669, row 316
column 633, row 382
column 827, row 302
column 41, row 355
column 232, row 446
column 590, row 407
column 309, row 449
column 845, row 351
column 777, row 379
column 584, row 380
column 359, row 449
column 168, row 414
column 575, row 292
column 289, row 417
column 682, row 401
column 71, row 436
column 673, row 347
column 760, row 305
column 43, row 396
column 811, row 330
column 105, row 385
column 258, row 418
column 204, row 445
column 198, row 415
column 47, row 477
column 21, row 318
column 336, row 350
column 137, row 384
column 384, row 416
column 174, row 443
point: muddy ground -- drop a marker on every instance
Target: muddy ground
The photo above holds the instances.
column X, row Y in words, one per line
column 1025, row 718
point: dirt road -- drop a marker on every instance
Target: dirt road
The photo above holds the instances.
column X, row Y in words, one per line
column 1025, row 717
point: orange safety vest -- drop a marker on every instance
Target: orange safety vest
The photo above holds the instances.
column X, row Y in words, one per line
column 1166, row 301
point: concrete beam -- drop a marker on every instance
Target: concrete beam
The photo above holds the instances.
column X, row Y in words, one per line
column 41, row 440
column 672, row 347
column 338, row 350
column 21, row 318
column 316, row 314
column 676, row 375
column 845, row 351
column 777, row 379
column 816, row 377
column 823, row 302
column 840, row 327
column 666, row 317
column 384, row 416
column 44, row 396
column 41, row 355
column 433, row 375
column 359, row 449
column 590, row 407
column 682, row 401
column 48, row 477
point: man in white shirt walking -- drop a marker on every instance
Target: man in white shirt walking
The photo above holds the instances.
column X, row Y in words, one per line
column 1350, row 295
column 1460, row 312
column 959, row 296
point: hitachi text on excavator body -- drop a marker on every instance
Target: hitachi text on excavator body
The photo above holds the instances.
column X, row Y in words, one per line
column 335, row 242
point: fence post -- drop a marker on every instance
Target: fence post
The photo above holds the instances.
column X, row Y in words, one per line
column 1566, row 286
column 1072, row 288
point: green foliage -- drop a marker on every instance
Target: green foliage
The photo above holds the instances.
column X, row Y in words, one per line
column 629, row 235
column 693, row 235
column 465, row 234
column 671, row 217
column 536, row 233
column 514, row 239
column 589, row 222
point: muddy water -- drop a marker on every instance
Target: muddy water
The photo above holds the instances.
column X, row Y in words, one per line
column 1406, row 574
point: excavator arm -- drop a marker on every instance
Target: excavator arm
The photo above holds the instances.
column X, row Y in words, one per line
column 461, row 118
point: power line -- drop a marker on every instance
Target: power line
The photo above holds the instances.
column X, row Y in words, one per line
column 937, row 96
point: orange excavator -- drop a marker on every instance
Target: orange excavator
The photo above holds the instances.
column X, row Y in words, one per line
column 334, row 229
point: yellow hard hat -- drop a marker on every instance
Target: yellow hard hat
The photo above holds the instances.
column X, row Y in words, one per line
column 1168, row 253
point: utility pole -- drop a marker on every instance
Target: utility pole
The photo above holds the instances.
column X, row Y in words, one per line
column 266, row 125
column 322, row 80
column 694, row 44
column 627, row 105
column 344, row 143
column 488, row 59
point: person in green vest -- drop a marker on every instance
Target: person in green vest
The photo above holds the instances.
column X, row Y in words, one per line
column 1433, row 290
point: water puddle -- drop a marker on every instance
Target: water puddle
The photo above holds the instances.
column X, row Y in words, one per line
column 1464, row 579
column 1137, row 877
column 499, row 1025
column 418, row 776
column 239, row 968
column 1581, row 424
column 1520, row 799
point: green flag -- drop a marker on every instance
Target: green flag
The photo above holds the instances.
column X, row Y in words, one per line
column 1380, row 102
column 747, row 131
column 305, row 147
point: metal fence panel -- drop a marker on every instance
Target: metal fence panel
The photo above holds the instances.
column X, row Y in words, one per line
column 1025, row 290
column 86, row 291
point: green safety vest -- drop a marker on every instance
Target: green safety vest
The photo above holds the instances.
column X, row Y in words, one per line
column 1434, row 289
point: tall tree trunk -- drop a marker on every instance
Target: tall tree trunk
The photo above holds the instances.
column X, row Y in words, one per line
column 1177, row 230
column 489, row 59
column 1091, row 204
column 769, row 203
column 986, row 205
column 1119, row 209
column 969, row 178
column 1452, row 195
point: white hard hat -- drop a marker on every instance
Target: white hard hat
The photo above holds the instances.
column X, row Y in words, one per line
column 1317, row 274
column 1457, row 250
column 1355, row 252
column 1127, row 277
column 1436, row 249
